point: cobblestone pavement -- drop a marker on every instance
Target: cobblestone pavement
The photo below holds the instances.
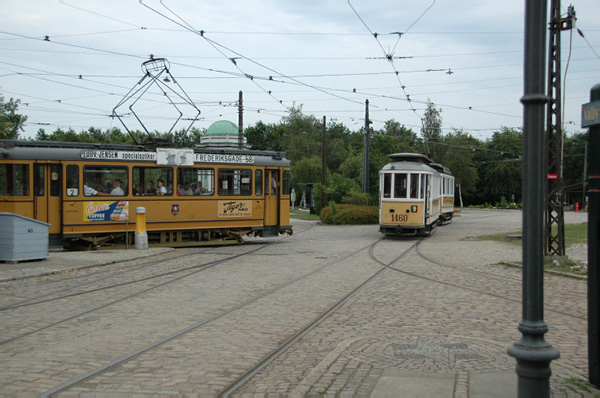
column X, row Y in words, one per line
column 445, row 309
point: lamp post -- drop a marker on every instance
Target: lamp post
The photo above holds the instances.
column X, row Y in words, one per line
column 532, row 352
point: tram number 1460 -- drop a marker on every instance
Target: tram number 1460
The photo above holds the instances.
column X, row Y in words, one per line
column 399, row 217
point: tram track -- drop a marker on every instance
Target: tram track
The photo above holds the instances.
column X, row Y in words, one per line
column 241, row 380
column 474, row 290
column 174, row 275
column 109, row 269
column 269, row 358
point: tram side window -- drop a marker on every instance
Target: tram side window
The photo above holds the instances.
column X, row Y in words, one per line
column 193, row 181
column 236, row 182
column 72, row 180
column 38, row 180
column 14, row 180
column 55, row 179
column 414, row 186
column 151, row 181
column 258, row 179
column 387, row 185
column 423, row 186
column 108, row 179
column 287, row 182
column 400, row 185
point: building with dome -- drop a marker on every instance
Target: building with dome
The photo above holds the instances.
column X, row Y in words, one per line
column 222, row 134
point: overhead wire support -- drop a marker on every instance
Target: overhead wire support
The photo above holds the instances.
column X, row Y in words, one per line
column 154, row 69
column 390, row 55
column 554, row 242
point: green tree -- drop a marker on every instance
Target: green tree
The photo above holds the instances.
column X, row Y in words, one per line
column 574, row 158
column 302, row 135
column 500, row 166
column 432, row 131
column 11, row 123
column 459, row 158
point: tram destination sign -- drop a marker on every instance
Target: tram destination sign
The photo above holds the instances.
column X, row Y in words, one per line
column 161, row 157
column 590, row 114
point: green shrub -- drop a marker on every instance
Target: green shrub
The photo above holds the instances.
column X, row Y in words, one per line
column 355, row 197
column 350, row 215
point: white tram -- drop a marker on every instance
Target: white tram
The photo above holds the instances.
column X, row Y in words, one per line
column 447, row 192
column 411, row 195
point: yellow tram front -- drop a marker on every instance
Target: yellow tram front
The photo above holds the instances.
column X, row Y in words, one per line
column 409, row 200
column 88, row 193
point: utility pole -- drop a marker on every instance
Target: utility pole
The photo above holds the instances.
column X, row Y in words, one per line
column 366, row 149
column 532, row 352
column 324, row 180
column 591, row 119
column 241, row 120
column 554, row 242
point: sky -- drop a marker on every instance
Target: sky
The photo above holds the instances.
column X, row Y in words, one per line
column 78, row 64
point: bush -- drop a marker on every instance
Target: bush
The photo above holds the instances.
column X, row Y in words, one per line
column 355, row 197
column 350, row 215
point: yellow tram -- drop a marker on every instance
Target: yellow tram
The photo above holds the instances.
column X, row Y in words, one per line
column 88, row 193
column 412, row 194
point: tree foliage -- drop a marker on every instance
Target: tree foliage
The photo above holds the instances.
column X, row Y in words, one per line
column 11, row 123
column 487, row 171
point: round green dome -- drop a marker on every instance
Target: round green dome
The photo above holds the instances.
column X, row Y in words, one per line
column 222, row 128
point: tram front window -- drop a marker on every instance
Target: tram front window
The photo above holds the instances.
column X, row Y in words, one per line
column 400, row 186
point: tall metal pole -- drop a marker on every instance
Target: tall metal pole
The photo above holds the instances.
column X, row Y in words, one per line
column 241, row 121
column 324, row 180
column 366, row 149
column 591, row 119
column 532, row 352
column 554, row 242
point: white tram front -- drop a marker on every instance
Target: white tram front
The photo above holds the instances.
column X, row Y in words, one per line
column 410, row 195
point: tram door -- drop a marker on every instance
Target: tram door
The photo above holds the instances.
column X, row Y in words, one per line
column 427, row 198
column 47, row 207
column 272, row 193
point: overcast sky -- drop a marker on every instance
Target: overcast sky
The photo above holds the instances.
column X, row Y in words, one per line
column 464, row 56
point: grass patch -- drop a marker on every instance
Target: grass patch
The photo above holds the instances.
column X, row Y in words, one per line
column 304, row 216
column 574, row 233
column 576, row 384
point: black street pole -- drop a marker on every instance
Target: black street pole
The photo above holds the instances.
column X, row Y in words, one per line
column 591, row 119
column 532, row 352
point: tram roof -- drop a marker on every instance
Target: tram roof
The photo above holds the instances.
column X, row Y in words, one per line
column 441, row 168
column 57, row 150
column 410, row 157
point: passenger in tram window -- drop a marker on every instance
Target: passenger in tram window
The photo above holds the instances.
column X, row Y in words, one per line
column 117, row 190
column 161, row 190
column 89, row 191
column 203, row 190
column 179, row 190
column 108, row 186
column 135, row 191
column 273, row 184
column 187, row 190
column 151, row 190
